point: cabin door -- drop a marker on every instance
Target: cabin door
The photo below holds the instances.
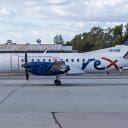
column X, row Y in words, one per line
column 14, row 63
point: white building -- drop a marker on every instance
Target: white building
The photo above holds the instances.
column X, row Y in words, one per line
column 5, row 48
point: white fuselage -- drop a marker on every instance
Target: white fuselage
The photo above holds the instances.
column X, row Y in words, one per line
column 79, row 63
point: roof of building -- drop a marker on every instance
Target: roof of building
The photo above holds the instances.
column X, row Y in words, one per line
column 34, row 47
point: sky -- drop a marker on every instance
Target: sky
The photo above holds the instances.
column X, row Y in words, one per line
column 24, row 21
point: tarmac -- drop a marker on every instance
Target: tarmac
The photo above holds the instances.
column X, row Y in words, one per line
column 87, row 101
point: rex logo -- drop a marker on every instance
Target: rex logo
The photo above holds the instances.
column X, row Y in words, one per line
column 98, row 63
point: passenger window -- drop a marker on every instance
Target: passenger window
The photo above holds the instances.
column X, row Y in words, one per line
column 83, row 60
column 38, row 60
column 43, row 60
column 55, row 60
column 72, row 60
column 49, row 60
column 22, row 60
column 66, row 60
column 78, row 60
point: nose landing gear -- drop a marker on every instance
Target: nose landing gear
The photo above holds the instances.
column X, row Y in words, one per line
column 57, row 82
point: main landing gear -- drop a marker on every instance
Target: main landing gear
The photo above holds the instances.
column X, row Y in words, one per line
column 57, row 82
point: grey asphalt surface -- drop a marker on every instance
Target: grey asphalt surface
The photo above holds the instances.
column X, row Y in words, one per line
column 91, row 101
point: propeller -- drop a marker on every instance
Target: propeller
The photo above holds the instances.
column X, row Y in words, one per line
column 26, row 74
column 25, row 65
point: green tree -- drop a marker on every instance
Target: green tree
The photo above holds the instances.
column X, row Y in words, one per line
column 58, row 39
column 77, row 43
column 68, row 43
column 95, row 39
column 99, row 38
column 126, row 32
column 118, row 30
column 118, row 35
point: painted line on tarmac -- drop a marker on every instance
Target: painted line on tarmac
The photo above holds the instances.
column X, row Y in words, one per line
column 55, row 119
column 11, row 93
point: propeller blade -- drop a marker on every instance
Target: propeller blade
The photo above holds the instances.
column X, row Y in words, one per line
column 26, row 74
column 26, row 58
column 25, row 66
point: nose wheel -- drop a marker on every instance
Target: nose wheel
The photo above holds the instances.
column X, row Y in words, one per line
column 57, row 82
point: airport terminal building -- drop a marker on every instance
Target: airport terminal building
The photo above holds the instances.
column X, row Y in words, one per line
column 33, row 48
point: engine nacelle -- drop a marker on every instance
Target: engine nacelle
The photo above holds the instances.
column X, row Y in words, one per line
column 47, row 68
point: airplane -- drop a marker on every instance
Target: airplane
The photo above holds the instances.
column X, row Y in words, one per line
column 103, row 60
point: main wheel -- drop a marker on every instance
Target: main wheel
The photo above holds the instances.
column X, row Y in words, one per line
column 57, row 82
